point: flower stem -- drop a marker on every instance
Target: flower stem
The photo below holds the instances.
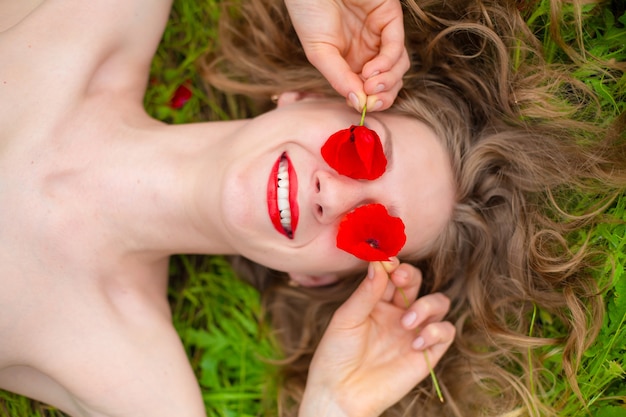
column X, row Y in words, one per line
column 529, row 353
column 430, row 368
column 433, row 377
column 363, row 114
column 404, row 297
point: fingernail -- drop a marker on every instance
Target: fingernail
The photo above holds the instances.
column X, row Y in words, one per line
column 390, row 264
column 409, row 318
column 400, row 274
column 370, row 271
column 418, row 343
column 379, row 88
column 375, row 73
column 377, row 105
column 354, row 100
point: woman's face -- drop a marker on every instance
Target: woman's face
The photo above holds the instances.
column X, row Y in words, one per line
column 417, row 186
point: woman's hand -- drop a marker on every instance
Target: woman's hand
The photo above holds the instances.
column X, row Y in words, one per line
column 358, row 45
column 371, row 354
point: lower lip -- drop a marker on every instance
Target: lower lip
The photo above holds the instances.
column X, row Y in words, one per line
column 272, row 198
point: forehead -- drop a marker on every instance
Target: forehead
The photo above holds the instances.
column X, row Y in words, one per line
column 419, row 182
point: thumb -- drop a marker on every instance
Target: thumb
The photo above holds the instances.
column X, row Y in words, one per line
column 356, row 309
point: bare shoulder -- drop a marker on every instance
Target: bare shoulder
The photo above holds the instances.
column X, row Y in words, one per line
column 12, row 12
column 95, row 359
column 80, row 44
column 79, row 21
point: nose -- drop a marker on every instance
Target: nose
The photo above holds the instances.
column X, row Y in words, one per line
column 335, row 195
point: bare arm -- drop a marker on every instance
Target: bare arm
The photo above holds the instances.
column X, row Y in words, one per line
column 100, row 358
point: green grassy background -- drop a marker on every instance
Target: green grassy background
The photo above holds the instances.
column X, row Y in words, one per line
column 219, row 317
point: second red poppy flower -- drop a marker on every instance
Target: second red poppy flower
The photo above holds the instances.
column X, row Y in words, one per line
column 370, row 233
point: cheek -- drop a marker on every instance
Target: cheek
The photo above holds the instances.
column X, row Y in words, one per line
column 320, row 260
column 338, row 262
column 317, row 253
column 423, row 232
column 242, row 209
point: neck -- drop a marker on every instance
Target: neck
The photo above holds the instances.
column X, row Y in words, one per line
column 175, row 163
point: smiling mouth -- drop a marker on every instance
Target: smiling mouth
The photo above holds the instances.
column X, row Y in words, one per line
column 282, row 191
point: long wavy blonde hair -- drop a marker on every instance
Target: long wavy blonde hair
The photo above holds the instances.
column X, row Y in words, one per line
column 522, row 139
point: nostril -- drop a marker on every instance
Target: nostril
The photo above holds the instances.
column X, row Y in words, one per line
column 317, row 186
column 320, row 210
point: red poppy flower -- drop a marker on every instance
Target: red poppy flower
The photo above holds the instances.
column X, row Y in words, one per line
column 181, row 97
column 355, row 152
column 370, row 233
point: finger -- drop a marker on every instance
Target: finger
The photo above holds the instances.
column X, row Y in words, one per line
column 392, row 47
column 341, row 77
column 356, row 309
column 384, row 100
column 391, row 264
column 389, row 267
column 383, row 89
column 407, row 279
column 427, row 309
column 384, row 63
column 436, row 337
column 430, row 347
column 384, row 81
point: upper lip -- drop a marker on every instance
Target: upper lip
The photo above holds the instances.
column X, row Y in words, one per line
column 285, row 227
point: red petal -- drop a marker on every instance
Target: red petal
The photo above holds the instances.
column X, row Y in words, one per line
column 365, row 143
column 349, row 162
column 370, row 233
column 355, row 152
column 335, row 151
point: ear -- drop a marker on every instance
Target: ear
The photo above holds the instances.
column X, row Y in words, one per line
column 290, row 97
column 313, row 281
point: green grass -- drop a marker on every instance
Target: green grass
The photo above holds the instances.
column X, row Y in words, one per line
column 218, row 317
column 602, row 377
column 603, row 371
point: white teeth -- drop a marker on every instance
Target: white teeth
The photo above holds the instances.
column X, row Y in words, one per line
column 282, row 192
column 283, row 204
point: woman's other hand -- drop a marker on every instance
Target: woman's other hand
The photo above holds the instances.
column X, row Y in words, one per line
column 372, row 353
column 357, row 45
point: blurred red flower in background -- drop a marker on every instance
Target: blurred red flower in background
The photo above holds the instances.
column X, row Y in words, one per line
column 180, row 97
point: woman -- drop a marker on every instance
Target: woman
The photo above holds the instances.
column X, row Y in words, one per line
column 98, row 195
column 524, row 138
